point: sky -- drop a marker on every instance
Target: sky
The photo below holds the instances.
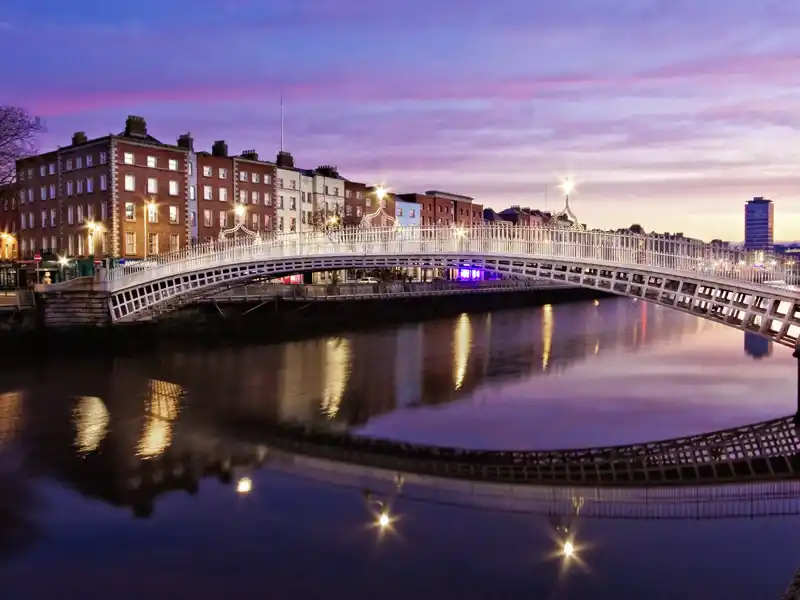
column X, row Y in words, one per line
column 669, row 113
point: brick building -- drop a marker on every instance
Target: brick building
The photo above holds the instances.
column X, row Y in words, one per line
column 93, row 197
column 355, row 202
column 225, row 182
column 455, row 209
column 9, row 217
column 443, row 208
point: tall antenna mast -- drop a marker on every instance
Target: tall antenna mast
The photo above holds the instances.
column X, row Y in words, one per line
column 281, row 120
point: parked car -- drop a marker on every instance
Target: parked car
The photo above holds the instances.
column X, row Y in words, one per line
column 368, row 280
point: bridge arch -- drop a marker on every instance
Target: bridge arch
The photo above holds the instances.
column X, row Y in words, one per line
column 701, row 281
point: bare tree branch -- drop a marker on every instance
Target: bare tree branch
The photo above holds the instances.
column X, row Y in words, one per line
column 18, row 131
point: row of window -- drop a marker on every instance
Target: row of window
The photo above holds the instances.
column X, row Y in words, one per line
column 69, row 165
column 153, row 245
column 224, row 220
column 49, row 218
column 49, row 192
column 152, row 211
column 243, row 175
column 129, row 158
column 152, row 185
column 222, row 195
column 77, row 244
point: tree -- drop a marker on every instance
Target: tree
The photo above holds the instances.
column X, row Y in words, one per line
column 637, row 229
column 18, row 131
column 321, row 220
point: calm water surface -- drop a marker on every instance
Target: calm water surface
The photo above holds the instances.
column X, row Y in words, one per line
column 72, row 435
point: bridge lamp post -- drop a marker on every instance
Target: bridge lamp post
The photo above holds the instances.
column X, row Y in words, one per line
column 149, row 208
column 239, row 211
column 567, row 186
column 63, row 261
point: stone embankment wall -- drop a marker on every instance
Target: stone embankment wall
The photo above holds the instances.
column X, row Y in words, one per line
column 82, row 304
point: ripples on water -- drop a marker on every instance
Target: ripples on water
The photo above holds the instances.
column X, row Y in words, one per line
column 78, row 440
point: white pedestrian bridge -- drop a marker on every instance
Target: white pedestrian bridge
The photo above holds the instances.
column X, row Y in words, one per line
column 747, row 290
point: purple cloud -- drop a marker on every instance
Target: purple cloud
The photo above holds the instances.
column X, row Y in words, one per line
column 661, row 109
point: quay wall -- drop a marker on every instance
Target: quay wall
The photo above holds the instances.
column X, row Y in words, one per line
column 77, row 322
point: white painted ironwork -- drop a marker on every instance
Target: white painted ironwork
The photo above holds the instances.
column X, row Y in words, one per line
column 379, row 216
column 566, row 219
column 745, row 290
column 765, row 451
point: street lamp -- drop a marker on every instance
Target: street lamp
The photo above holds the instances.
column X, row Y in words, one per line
column 149, row 208
column 239, row 210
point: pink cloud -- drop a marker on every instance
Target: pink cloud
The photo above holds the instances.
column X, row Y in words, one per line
column 731, row 72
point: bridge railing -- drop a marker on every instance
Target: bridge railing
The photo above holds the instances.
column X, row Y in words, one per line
column 622, row 249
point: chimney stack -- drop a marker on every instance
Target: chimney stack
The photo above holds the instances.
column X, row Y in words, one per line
column 135, row 126
column 79, row 137
column 249, row 154
column 220, row 148
column 285, row 160
column 186, row 141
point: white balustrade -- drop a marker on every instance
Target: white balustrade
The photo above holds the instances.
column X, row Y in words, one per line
column 646, row 252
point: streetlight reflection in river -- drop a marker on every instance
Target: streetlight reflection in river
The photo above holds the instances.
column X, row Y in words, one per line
column 244, row 486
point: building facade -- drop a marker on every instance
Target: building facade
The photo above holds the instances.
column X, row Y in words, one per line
column 9, row 218
column 456, row 209
column 355, row 202
column 233, row 190
column 407, row 213
column 93, row 197
column 294, row 204
column 758, row 224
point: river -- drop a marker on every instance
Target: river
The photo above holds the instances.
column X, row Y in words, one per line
column 564, row 376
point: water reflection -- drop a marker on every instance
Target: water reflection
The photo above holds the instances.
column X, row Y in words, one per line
column 161, row 408
column 756, row 345
column 10, row 416
column 462, row 344
column 91, row 422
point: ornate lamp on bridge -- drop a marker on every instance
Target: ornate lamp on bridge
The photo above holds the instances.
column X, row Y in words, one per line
column 239, row 212
column 384, row 218
column 566, row 219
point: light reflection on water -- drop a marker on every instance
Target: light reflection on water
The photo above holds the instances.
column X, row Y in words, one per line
column 559, row 376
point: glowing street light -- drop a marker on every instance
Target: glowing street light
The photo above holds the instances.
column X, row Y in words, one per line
column 239, row 210
column 568, row 549
column 568, row 186
column 380, row 192
column 383, row 520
